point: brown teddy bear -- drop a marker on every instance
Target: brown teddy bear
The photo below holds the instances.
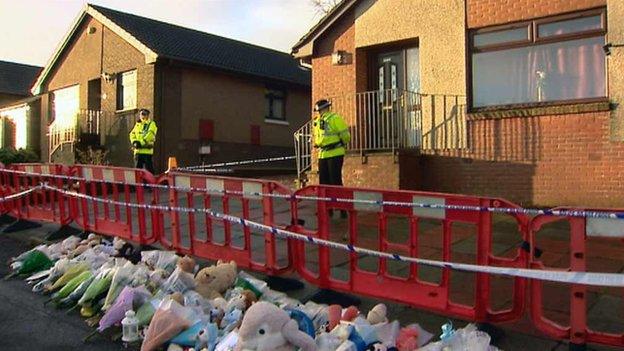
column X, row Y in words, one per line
column 186, row 264
column 211, row 282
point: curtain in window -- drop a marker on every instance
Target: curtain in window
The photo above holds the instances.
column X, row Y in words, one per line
column 567, row 70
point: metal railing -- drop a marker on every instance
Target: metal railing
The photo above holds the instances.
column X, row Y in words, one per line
column 392, row 120
column 385, row 120
column 303, row 149
column 64, row 130
column 61, row 132
column 90, row 121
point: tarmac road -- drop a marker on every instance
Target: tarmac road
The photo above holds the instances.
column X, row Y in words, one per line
column 25, row 324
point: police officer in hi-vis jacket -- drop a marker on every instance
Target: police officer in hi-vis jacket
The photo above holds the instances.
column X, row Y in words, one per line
column 331, row 136
column 142, row 138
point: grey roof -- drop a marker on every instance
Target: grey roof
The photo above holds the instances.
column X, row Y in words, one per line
column 17, row 78
column 206, row 49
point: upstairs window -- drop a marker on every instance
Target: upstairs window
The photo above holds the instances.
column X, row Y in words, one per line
column 127, row 90
column 556, row 59
column 276, row 105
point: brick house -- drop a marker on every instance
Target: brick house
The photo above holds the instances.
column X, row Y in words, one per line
column 18, row 108
column 212, row 98
column 516, row 99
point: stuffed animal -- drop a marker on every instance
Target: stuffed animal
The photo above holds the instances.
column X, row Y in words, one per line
column 407, row 339
column 377, row 314
column 335, row 315
column 241, row 300
column 211, row 282
column 91, row 241
column 267, row 327
column 186, row 264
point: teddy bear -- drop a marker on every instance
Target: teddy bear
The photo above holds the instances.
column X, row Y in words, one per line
column 182, row 277
column 241, row 300
column 267, row 327
column 211, row 282
column 335, row 314
column 377, row 314
column 186, row 264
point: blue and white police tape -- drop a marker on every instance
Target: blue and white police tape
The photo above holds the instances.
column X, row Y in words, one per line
column 294, row 197
column 19, row 195
column 203, row 170
column 586, row 278
column 236, row 163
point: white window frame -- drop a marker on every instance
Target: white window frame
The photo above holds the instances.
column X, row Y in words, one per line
column 127, row 90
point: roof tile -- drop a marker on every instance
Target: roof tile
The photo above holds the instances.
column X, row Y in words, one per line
column 206, row 49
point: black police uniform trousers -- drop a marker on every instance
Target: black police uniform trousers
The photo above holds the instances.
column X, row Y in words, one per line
column 144, row 161
column 330, row 173
column 330, row 170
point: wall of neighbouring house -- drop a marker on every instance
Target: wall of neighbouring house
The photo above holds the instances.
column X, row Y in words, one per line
column 31, row 122
column 234, row 104
column 85, row 58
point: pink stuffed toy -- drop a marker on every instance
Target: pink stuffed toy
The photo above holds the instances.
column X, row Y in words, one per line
column 407, row 339
column 335, row 315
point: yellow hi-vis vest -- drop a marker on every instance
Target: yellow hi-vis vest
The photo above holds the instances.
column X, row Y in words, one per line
column 145, row 134
column 331, row 135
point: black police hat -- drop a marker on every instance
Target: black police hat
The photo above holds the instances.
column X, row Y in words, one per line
column 321, row 104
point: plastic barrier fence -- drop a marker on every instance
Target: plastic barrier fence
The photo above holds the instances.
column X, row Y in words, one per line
column 40, row 205
column 580, row 313
column 403, row 246
column 417, row 232
column 122, row 185
column 203, row 236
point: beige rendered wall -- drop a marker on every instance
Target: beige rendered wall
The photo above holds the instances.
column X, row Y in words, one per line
column 234, row 104
column 439, row 26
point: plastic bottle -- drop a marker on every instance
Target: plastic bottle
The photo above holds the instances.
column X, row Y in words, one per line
column 130, row 327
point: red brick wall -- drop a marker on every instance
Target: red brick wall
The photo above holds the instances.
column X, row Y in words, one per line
column 380, row 172
column 333, row 80
column 483, row 13
column 546, row 160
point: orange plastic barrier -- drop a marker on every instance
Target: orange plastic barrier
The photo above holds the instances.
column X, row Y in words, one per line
column 590, row 243
column 200, row 235
column 414, row 224
column 402, row 230
column 40, row 205
column 117, row 185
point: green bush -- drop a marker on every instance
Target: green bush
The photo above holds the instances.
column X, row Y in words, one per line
column 8, row 156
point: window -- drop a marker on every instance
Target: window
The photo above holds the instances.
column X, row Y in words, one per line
column 275, row 104
column 126, row 90
column 64, row 105
column 550, row 60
